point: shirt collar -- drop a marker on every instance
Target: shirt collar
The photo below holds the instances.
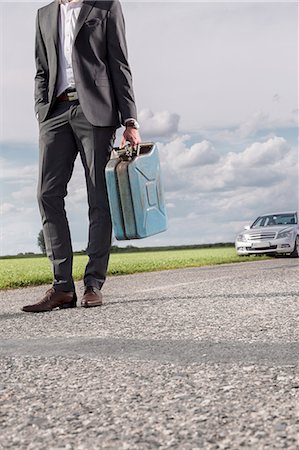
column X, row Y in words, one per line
column 65, row 2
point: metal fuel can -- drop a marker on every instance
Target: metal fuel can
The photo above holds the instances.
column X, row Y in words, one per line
column 135, row 192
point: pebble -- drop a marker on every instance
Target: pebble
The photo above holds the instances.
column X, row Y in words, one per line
column 141, row 401
column 112, row 411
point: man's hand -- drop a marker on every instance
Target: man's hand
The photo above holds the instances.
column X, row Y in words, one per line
column 131, row 135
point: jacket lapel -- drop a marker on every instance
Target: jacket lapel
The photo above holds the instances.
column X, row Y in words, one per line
column 53, row 21
column 87, row 6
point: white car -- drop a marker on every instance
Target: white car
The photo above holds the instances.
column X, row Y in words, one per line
column 271, row 234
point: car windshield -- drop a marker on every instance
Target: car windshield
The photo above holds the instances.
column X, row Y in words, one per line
column 275, row 219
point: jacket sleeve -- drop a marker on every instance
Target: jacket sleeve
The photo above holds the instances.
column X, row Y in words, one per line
column 42, row 69
column 117, row 56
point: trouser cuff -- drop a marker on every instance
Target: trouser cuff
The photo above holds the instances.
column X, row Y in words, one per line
column 93, row 283
column 64, row 287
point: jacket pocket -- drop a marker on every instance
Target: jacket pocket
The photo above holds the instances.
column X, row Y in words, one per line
column 92, row 23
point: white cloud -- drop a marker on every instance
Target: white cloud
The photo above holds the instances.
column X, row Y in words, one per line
column 236, row 67
column 177, row 156
column 26, row 194
column 200, row 154
column 19, row 229
column 6, row 208
column 233, row 191
column 248, row 128
column 232, row 61
column 77, row 193
column 15, row 173
column 213, row 202
column 258, row 165
column 260, row 154
column 162, row 124
column 236, row 62
column 207, row 200
column 170, row 205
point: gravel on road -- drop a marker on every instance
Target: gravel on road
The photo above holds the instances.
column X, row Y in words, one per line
column 202, row 358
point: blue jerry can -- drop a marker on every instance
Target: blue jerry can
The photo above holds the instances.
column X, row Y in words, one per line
column 135, row 192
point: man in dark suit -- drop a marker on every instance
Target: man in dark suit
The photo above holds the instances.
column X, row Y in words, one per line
column 83, row 93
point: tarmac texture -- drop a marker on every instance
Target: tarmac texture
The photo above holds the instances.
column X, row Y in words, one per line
column 202, row 358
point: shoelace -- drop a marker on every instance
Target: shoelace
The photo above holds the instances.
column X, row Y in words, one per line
column 47, row 297
column 89, row 289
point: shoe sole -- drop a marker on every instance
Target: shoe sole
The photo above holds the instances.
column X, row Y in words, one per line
column 90, row 306
column 72, row 304
column 68, row 305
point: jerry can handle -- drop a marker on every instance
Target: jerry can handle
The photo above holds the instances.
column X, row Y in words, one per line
column 128, row 151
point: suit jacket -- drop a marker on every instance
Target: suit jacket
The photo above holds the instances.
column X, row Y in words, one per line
column 102, row 74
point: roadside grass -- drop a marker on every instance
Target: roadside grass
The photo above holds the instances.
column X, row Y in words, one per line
column 21, row 272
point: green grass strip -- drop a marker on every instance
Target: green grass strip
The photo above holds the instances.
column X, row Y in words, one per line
column 21, row 272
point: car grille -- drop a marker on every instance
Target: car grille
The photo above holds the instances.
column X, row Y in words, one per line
column 260, row 249
column 261, row 235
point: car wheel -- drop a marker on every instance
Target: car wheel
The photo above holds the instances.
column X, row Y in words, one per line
column 295, row 252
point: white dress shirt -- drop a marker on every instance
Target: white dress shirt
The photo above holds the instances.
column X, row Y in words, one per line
column 69, row 12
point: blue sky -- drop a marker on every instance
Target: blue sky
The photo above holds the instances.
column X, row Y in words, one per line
column 216, row 88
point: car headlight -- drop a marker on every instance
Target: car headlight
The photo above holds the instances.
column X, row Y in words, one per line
column 285, row 234
column 241, row 238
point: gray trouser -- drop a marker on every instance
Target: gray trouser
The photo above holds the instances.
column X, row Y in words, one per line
column 62, row 136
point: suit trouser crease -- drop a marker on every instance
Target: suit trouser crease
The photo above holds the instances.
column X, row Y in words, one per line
column 64, row 134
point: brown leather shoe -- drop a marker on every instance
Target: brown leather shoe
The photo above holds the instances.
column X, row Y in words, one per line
column 92, row 297
column 53, row 299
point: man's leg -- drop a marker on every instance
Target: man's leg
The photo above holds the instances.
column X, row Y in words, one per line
column 58, row 151
column 95, row 149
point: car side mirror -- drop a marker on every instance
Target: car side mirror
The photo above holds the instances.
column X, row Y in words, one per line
column 247, row 227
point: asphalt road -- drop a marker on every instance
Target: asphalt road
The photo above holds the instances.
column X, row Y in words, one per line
column 202, row 358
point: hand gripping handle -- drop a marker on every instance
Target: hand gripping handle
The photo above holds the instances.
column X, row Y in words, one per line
column 128, row 151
